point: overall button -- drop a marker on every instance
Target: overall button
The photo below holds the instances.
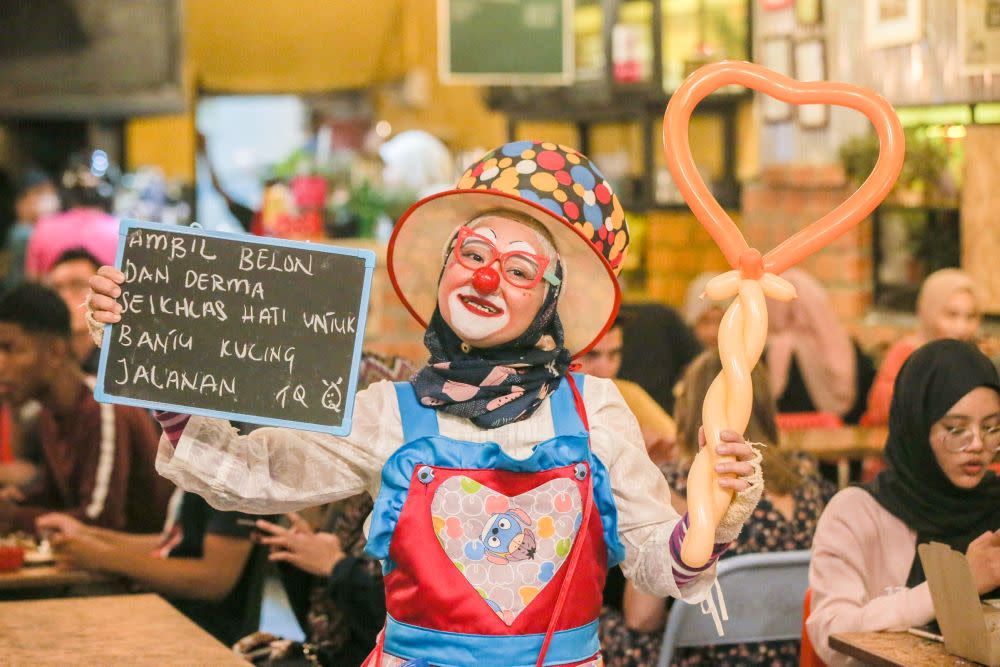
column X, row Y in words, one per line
column 580, row 471
column 425, row 474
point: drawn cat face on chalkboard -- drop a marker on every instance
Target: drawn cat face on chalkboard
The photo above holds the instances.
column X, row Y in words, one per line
column 488, row 313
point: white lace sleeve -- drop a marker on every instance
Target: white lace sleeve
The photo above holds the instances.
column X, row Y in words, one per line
column 642, row 497
column 274, row 470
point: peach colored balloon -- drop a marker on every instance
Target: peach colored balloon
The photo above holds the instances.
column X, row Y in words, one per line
column 856, row 208
column 744, row 326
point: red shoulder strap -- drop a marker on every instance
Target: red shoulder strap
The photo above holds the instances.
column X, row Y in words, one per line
column 588, row 504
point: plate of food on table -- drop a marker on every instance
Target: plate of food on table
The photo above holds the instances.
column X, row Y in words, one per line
column 21, row 549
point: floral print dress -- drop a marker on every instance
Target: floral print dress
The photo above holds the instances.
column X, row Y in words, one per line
column 766, row 530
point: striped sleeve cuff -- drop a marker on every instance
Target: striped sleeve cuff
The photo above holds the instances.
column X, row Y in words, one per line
column 684, row 574
column 173, row 424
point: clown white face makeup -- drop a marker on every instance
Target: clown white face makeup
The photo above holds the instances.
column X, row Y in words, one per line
column 490, row 317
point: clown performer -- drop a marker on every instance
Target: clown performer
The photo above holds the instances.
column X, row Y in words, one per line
column 505, row 486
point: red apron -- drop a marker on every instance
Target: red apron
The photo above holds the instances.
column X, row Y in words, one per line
column 491, row 560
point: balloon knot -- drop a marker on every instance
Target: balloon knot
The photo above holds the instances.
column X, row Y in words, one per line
column 751, row 264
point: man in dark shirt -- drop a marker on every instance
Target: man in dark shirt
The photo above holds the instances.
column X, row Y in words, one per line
column 97, row 459
column 203, row 562
column 658, row 347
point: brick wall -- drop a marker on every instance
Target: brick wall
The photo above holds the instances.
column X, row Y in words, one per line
column 783, row 200
column 390, row 329
column 788, row 198
column 677, row 249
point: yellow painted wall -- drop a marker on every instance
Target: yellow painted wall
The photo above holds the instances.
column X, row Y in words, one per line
column 456, row 114
column 253, row 46
column 317, row 46
column 165, row 141
column 559, row 133
column 293, row 46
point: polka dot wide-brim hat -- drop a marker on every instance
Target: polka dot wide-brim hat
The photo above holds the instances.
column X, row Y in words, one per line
column 555, row 185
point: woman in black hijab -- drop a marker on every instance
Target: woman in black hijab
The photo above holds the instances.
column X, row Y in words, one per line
column 944, row 431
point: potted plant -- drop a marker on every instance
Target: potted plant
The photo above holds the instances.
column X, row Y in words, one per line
column 924, row 174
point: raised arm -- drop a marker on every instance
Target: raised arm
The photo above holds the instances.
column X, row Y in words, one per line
column 650, row 529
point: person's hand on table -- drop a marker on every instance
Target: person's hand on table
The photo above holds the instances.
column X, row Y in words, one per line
column 298, row 524
column 81, row 551
column 62, row 524
column 315, row 553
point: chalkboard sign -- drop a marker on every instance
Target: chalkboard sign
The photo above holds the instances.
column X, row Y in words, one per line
column 240, row 327
column 505, row 42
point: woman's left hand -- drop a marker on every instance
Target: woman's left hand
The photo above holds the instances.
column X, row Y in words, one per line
column 733, row 475
column 316, row 553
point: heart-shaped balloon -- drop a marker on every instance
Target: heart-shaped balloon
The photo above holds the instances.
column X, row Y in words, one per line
column 803, row 243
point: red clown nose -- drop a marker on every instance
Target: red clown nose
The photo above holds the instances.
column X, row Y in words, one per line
column 486, row 280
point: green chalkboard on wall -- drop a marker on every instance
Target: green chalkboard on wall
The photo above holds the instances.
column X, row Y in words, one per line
column 505, row 42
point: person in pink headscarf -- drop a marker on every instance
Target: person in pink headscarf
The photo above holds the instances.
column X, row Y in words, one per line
column 87, row 223
column 947, row 307
column 813, row 364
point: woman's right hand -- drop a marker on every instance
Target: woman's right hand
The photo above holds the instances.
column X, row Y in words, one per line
column 984, row 560
column 104, row 289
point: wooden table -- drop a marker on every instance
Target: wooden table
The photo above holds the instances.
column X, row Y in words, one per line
column 115, row 629
column 837, row 445
column 50, row 576
column 894, row 649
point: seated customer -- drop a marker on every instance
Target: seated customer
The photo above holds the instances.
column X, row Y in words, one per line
column 604, row 360
column 944, row 429
column 947, row 307
column 702, row 314
column 203, row 562
column 35, row 197
column 70, row 276
column 784, row 520
column 658, row 345
column 659, row 433
column 97, row 459
column 814, row 365
column 334, row 589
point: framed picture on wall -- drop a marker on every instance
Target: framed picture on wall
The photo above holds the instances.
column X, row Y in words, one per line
column 809, row 12
column 810, row 65
column 979, row 35
column 776, row 54
column 893, row 22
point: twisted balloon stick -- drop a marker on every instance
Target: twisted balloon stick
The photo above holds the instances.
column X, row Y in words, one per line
column 729, row 400
column 744, row 327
